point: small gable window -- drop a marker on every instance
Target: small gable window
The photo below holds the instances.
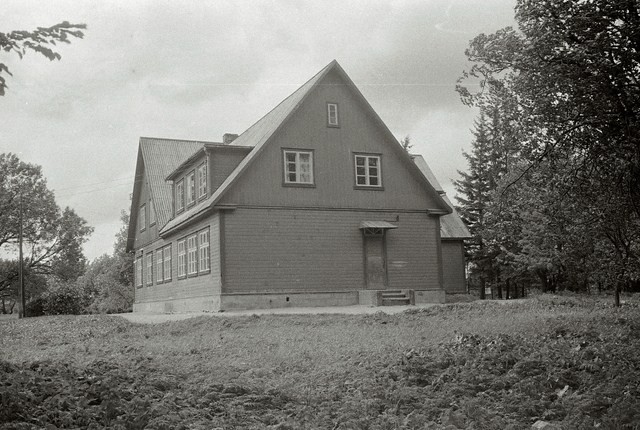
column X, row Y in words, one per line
column 202, row 180
column 142, row 218
column 298, row 167
column 152, row 213
column 368, row 171
column 332, row 115
column 191, row 188
column 180, row 196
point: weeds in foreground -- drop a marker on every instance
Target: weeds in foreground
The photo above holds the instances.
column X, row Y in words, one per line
column 568, row 361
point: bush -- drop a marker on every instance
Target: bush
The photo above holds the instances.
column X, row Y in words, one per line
column 59, row 299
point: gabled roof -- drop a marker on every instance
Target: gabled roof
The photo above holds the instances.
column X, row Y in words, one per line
column 259, row 134
column 451, row 225
column 156, row 159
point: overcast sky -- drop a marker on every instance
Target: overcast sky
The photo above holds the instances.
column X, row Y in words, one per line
column 198, row 69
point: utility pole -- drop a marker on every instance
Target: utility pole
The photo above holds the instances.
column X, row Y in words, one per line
column 21, row 301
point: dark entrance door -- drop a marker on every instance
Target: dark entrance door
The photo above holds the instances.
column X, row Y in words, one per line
column 375, row 261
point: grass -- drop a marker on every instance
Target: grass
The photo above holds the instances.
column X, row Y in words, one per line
column 570, row 360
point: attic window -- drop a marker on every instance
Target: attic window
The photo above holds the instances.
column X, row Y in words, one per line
column 180, row 195
column 142, row 218
column 191, row 188
column 332, row 115
column 202, row 180
column 298, row 167
column 152, row 213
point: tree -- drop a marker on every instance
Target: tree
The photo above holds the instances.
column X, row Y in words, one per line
column 52, row 238
column 574, row 70
column 40, row 40
column 108, row 281
column 406, row 143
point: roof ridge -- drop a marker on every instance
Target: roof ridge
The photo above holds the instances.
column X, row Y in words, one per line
column 179, row 140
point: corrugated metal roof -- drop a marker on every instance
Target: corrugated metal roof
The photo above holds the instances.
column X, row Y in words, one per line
column 255, row 136
column 161, row 157
column 451, row 225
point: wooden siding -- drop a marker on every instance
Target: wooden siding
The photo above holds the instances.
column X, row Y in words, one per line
column 453, row 267
column 193, row 287
column 333, row 149
column 276, row 250
column 222, row 163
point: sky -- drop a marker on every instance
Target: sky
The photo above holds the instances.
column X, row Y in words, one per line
column 194, row 69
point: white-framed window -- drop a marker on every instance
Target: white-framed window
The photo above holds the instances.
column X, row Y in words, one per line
column 159, row 268
column 182, row 259
column 202, row 180
column 368, row 170
column 298, row 167
column 150, row 268
column 142, row 218
column 191, row 187
column 139, row 272
column 166, row 251
column 203, row 250
column 332, row 115
column 180, row 195
column 152, row 213
column 192, row 255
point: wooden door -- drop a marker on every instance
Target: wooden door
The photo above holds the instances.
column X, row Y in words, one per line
column 375, row 262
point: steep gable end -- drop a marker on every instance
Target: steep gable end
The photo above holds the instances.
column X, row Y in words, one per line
column 157, row 158
column 262, row 133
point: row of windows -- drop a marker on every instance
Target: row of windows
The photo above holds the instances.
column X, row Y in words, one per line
column 298, row 168
column 188, row 191
column 193, row 259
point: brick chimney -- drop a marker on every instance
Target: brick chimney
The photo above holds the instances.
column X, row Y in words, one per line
column 227, row 138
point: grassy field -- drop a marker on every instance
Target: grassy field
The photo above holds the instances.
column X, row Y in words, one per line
column 568, row 360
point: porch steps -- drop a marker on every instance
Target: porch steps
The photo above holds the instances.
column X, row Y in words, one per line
column 395, row 298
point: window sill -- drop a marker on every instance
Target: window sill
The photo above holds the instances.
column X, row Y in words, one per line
column 205, row 272
column 297, row 185
column 368, row 188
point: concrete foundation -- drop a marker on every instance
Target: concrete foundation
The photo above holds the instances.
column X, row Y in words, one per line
column 287, row 300
column 196, row 304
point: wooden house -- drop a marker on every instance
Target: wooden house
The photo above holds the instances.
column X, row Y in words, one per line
column 316, row 204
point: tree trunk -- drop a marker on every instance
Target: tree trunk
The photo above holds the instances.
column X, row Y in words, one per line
column 499, row 285
column 483, row 285
column 617, row 295
column 508, row 292
column 515, row 290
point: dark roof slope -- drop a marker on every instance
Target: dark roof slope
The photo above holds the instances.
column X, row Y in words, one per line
column 451, row 225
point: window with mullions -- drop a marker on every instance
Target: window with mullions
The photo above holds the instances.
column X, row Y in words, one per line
column 202, row 180
column 166, row 252
column 182, row 259
column 191, row 188
column 203, row 250
column 159, row 268
column 142, row 218
column 368, row 171
column 192, row 255
column 332, row 115
column 150, row 268
column 180, row 195
column 139, row 272
column 298, row 167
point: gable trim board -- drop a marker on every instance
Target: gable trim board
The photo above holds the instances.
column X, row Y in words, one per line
column 275, row 246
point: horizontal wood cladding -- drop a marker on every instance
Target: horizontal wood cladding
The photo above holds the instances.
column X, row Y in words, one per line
column 453, row 267
column 191, row 287
column 333, row 160
column 412, row 253
column 273, row 250
column 222, row 163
